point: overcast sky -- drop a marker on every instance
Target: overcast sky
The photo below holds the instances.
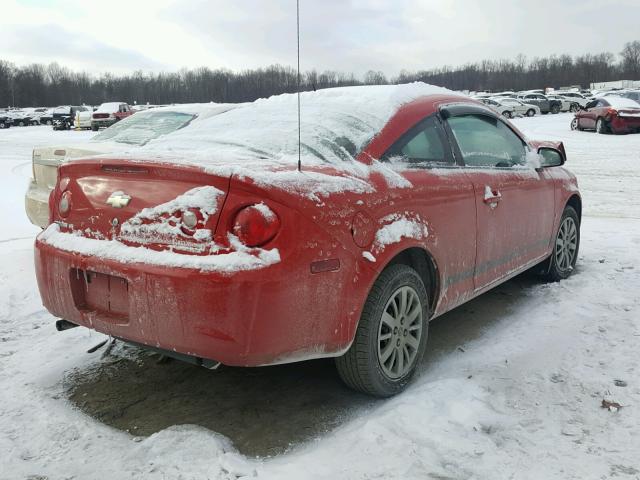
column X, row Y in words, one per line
column 346, row 35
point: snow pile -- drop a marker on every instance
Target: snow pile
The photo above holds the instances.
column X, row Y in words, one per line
column 162, row 223
column 230, row 262
column 336, row 124
column 396, row 227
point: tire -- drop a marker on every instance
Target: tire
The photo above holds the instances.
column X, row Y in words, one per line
column 574, row 108
column 575, row 124
column 601, row 126
column 21, row 123
column 531, row 112
column 562, row 261
column 555, row 109
column 95, row 128
column 507, row 114
column 364, row 366
column 49, row 122
column 3, row 125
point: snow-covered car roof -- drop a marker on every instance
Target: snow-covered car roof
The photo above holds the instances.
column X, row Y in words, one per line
column 109, row 107
column 335, row 124
column 621, row 102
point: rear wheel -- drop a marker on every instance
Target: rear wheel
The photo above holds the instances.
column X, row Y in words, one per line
column 95, row 128
column 555, row 109
column 531, row 112
column 3, row 125
column 507, row 114
column 391, row 337
column 565, row 251
column 601, row 126
column 574, row 108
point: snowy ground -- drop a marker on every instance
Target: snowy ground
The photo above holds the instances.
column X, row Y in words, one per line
column 511, row 389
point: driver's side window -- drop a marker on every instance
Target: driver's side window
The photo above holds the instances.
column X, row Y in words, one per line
column 485, row 141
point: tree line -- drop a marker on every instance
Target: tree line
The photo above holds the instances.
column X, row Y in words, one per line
column 51, row 85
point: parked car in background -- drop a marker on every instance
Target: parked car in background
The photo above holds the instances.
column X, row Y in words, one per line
column 522, row 108
column 496, row 104
column 609, row 115
column 5, row 120
column 47, row 117
column 36, row 114
column 82, row 120
column 62, row 117
column 19, row 118
column 414, row 201
column 109, row 113
column 632, row 94
column 566, row 105
column 576, row 97
column 545, row 104
column 132, row 132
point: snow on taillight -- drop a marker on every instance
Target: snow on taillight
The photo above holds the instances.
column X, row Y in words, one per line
column 255, row 225
column 64, row 205
column 190, row 219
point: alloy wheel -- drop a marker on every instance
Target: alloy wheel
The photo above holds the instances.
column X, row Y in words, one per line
column 566, row 244
column 400, row 332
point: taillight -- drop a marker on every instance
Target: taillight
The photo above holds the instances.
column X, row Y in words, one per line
column 190, row 220
column 64, row 205
column 256, row 224
column 612, row 111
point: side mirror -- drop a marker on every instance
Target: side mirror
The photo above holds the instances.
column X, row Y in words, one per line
column 551, row 157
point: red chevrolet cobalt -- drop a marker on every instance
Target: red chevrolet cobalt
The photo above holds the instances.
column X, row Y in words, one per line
column 220, row 245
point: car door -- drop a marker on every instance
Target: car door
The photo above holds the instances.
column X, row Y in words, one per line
column 590, row 115
column 514, row 201
column 442, row 194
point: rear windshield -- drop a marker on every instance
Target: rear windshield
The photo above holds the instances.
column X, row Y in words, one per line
column 141, row 128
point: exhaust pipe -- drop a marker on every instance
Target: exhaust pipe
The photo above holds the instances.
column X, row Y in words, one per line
column 62, row 325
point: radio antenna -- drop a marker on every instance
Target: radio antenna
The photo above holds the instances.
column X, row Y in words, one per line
column 299, row 127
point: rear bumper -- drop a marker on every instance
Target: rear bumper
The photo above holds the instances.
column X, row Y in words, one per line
column 240, row 319
column 625, row 124
column 36, row 203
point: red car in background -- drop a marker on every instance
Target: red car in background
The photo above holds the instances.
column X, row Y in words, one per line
column 109, row 113
column 410, row 201
column 609, row 115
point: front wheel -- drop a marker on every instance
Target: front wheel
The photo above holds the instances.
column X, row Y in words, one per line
column 565, row 250
column 507, row 114
column 531, row 112
column 391, row 337
column 574, row 108
column 575, row 125
column 555, row 109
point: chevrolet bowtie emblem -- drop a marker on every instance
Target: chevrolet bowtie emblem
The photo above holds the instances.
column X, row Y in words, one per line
column 118, row 199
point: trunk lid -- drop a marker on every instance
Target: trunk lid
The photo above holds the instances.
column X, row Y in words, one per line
column 141, row 203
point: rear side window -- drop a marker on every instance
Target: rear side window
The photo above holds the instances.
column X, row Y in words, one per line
column 423, row 145
column 485, row 141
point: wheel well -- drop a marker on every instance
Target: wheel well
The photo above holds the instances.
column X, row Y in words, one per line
column 423, row 263
column 576, row 203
